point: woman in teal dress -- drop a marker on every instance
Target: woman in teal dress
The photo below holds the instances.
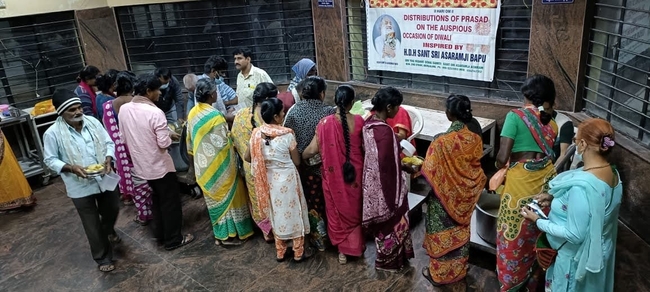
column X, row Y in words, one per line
column 583, row 221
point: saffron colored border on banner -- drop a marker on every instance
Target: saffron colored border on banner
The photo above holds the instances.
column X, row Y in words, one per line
column 454, row 38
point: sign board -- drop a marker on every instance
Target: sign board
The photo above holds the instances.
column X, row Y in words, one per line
column 557, row 1
column 326, row 3
column 433, row 37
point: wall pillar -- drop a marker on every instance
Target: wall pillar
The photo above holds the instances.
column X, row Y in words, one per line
column 100, row 38
column 558, row 45
column 330, row 36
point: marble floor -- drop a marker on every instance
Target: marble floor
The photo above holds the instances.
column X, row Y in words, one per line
column 45, row 249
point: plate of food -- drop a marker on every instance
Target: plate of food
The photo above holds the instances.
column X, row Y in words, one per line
column 414, row 162
column 94, row 169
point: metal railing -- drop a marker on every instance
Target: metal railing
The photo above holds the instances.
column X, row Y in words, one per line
column 617, row 81
column 181, row 36
column 37, row 56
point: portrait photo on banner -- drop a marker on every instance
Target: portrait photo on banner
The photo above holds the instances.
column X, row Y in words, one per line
column 387, row 36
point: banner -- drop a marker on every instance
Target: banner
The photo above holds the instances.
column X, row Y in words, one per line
column 455, row 38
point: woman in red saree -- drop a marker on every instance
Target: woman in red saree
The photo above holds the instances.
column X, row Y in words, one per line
column 453, row 169
column 385, row 204
column 339, row 141
column 401, row 124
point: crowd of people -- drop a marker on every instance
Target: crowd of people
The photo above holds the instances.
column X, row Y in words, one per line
column 309, row 175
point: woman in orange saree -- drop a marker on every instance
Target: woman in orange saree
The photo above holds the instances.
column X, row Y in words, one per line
column 15, row 192
column 453, row 169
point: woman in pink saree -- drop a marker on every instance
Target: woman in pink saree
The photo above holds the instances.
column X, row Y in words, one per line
column 385, row 200
column 340, row 143
column 130, row 186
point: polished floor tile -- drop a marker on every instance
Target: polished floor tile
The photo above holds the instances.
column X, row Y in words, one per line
column 45, row 249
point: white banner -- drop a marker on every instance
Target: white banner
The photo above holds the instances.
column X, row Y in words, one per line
column 455, row 38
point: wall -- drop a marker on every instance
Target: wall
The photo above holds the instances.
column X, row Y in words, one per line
column 331, row 44
column 20, row 8
column 116, row 3
column 556, row 38
column 100, row 38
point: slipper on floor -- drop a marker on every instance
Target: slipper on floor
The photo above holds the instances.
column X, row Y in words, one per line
column 426, row 275
column 233, row 242
column 106, row 268
column 309, row 252
column 114, row 239
column 187, row 239
column 140, row 222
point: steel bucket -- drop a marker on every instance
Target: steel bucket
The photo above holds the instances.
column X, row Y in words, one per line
column 486, row 216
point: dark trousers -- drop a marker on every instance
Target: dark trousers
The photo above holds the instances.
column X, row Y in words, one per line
column 166, row 210
column 98, row 214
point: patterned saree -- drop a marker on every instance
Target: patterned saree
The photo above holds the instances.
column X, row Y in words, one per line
column 241, row 136
column 516, row 236
column 215, row 165
column 453, row 169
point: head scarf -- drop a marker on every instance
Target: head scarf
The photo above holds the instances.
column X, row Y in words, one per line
column 300, row 69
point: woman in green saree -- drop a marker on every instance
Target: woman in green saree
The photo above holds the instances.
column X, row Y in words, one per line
column 215, row 164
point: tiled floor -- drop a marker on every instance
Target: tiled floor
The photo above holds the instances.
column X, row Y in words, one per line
column 46, row 250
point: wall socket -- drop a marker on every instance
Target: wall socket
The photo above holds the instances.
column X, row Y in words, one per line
column 3, row 5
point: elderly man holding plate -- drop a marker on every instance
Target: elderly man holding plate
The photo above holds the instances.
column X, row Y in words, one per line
column 79, row 149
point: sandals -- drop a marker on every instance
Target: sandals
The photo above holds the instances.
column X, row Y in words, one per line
column 268, row 238
column 343, row 259
column 394, row 271
column 140, row 222
column 309, row 252
column 426, row 275
column 114, row 239
column 106, row 268
column 230, row 242
column 287, row 254
column 187, row 239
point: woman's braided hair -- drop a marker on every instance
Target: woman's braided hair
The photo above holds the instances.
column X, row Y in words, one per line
column 343, row 97
column 263, row 91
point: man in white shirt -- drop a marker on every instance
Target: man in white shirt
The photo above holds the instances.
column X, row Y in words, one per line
column 248, row 78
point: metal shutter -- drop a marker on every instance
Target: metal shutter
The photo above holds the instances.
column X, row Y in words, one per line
column 181, row 36
column 38, row 54
column 617, row 85
column 511, row 64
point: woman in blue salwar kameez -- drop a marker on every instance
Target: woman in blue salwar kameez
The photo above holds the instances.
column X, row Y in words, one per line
column 583, row 222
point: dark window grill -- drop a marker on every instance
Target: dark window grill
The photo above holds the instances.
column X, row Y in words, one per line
column 511, row 57
column 38, row 55
column 617, row 85
column 181, row 36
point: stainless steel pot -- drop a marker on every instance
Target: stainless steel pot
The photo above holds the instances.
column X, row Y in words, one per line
column 486, row 216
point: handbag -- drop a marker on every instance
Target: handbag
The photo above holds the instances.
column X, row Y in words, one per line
column 545, row 254
column 498, row 178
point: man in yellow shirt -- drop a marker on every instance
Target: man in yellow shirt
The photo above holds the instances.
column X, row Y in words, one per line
column 248, row 78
